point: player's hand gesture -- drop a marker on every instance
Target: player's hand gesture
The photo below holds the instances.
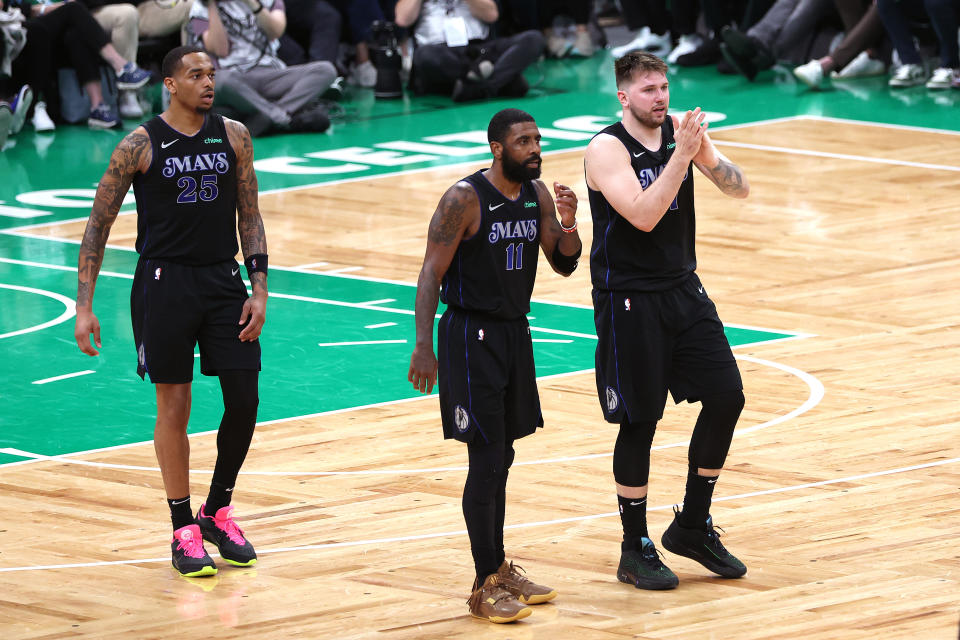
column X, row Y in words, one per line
column 423, row 369
column 254, row 309
column 86, row 324
column 689, row 134
column 566, row 201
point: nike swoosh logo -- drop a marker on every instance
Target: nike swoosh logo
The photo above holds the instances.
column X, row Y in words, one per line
column 164, row 145
column 235, row 271
column 700, row 289
column 180, row 501
column 637, row 155
column 635, row 504
column 711, row 482
column 492, row 207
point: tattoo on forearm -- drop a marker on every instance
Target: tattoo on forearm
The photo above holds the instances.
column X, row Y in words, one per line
column 258, row 279
column 446, row 224
column 253, row 239
column 131, row 154
column 728, row 176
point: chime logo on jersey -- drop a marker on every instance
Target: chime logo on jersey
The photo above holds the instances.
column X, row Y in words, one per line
column 612, row 400
column 513, row 229
column 461, row 419
column 198, row 162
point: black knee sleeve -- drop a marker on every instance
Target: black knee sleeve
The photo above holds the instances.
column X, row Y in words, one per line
column 631, row 454
column 714, row 431
column 240, row 401
column 485, row 475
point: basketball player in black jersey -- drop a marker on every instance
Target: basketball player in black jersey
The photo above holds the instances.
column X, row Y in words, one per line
column 192, row 173
column 657, row 328
column 481, row 260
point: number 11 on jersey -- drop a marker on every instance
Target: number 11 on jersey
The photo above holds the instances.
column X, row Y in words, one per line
column 515, row 256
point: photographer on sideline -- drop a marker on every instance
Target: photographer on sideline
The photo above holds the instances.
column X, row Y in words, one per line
column 455, row 54
column 253, row 84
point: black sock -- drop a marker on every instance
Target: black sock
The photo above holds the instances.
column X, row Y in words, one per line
column 180, row 513
column 696, row 501
column 633, row 515
column 218, row 498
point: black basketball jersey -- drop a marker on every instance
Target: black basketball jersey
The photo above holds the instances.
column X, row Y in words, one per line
column 493, row 271
column 187, row 199
column 625, row 258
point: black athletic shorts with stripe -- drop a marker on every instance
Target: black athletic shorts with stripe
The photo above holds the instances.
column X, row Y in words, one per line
column 175, row 306
column 652, row 341
column 487, row 379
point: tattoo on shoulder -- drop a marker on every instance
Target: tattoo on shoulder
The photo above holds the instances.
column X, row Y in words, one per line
column 450, row 214
column 729, row 177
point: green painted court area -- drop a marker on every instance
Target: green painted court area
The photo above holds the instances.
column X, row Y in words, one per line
column 303, row 373
column 56, row 400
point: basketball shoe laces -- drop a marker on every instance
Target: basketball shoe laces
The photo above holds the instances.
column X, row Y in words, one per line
column 497, row 592
column 515, row 575
column 191, row 547
column 651, row 557
column 229, row 526
column 714, row 540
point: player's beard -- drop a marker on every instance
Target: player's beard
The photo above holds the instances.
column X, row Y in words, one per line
column 202, row 110
column 647, row 118
column 520, row 171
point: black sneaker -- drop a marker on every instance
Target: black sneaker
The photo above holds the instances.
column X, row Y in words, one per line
column 190, row 559
column 222, row 530
column 642, row 567
column 702, row 545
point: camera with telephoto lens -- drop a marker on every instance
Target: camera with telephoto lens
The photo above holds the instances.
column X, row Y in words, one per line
column 385, row 51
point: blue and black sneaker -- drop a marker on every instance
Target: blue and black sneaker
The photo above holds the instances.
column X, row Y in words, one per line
column 642, row 567
column 702, row 545
column 132, row 77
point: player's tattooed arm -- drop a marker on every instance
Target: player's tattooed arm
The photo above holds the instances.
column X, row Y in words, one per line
column 132, row 155
column 457, row 216
column 729, row 178
column 253, row 239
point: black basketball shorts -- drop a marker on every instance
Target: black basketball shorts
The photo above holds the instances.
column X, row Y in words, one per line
column 652, row 341
column 174, row 306
column 487, row 379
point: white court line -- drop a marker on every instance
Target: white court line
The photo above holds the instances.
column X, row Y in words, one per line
column 837, row 156
column 64, row 376
column 69, row 312
column 343, row 270
column 551, row 340
column 57, row 267
column 814, row 398
column 380, row 325
column 359, row 342
column 312, row 265
column 523, row 525
column 383, row 301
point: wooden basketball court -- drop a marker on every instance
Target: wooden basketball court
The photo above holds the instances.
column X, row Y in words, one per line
column 840, row 492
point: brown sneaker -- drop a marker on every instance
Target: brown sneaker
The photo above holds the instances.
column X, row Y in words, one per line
column 493, row 602
column 525, row 591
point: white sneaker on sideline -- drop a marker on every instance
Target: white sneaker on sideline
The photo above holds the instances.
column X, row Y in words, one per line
column 41, row 120
column 634, row 45
column 129, row 105
column 860, row 67
column 908, row 75
column 810, row 74
column 941, row 78
column 364, row 75
column 688, row 44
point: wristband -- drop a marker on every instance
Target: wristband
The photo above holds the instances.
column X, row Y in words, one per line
column 258, row 9
column 568, row 229
column 256, row 262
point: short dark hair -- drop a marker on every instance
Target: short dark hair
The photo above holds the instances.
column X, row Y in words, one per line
column 637, row 61
column 501, row 122
column 173, row 61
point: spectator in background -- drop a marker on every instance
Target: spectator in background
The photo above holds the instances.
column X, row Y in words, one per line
column 858, row 53
column 455, row 54
column 651, row 20
column 66, row 32
column 579, row 12
column 159, row 18
column 253, row 84
column 789, row 31
column 313, row 32
column 942, row 14
column 120, row 20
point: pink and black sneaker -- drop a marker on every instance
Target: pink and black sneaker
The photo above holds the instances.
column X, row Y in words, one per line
column 222, row 530
column 190, row 559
